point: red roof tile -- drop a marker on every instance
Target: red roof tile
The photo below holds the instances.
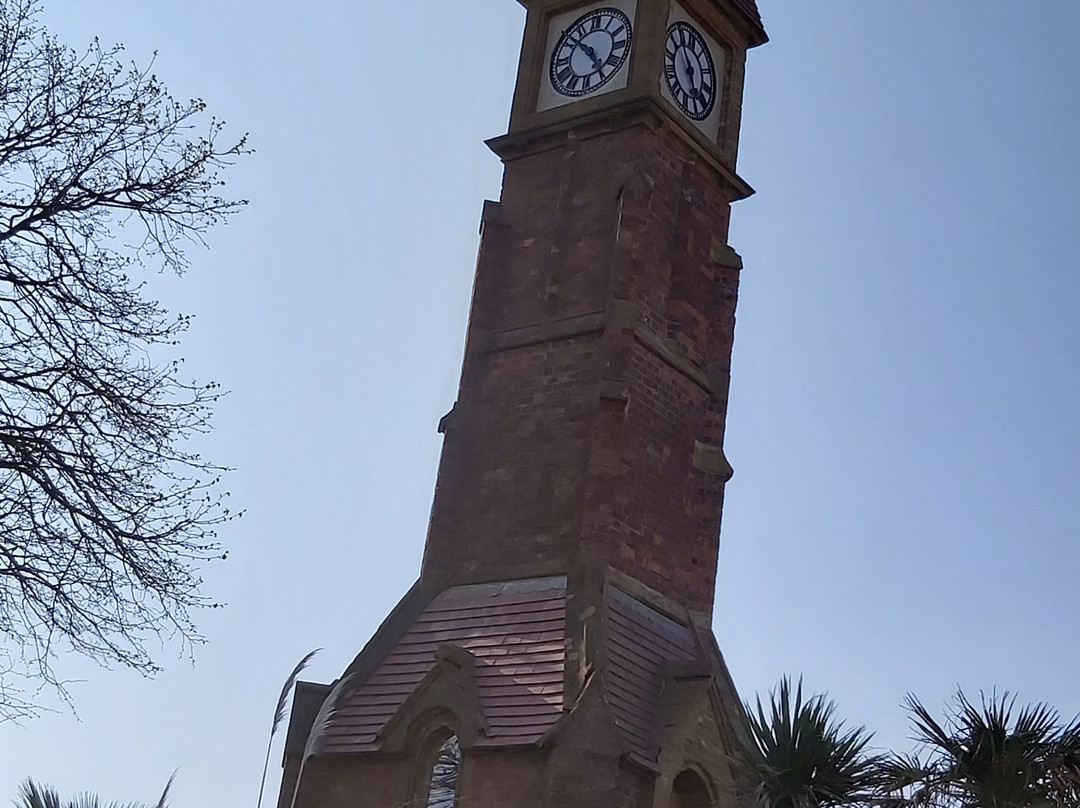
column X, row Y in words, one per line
column 640, row 641
column 516, row 633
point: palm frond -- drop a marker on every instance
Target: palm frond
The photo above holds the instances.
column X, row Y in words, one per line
column 88, row 800
column 994, row 754
column 31, row 795
column 799, row 755
column 909, row 781
column 163, row 800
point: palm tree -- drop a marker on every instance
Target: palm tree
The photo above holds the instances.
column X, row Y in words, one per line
column 798, row 755
column 990, row 755
column 32, row 795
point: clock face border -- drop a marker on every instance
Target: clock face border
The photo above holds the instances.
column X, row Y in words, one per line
column 709, row 124
column 548, row 96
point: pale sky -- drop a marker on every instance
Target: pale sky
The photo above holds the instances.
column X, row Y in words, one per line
column 905, row 395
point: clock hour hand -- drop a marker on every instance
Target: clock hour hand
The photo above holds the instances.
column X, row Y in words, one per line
column 592, row 55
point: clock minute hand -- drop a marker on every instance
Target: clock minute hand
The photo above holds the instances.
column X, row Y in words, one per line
column 689, row 69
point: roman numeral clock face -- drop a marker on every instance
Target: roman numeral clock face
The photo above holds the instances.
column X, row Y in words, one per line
column 590, row 52
column 689, row 71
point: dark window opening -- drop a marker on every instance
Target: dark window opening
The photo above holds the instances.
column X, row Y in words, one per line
column 690, row 791
column 442, row 792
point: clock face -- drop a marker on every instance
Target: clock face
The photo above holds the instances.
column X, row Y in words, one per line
column 689, row 71
column 590, row 52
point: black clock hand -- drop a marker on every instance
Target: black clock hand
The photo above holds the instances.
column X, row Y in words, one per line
column 592, row 55
column 694, row 90
column 689, row 70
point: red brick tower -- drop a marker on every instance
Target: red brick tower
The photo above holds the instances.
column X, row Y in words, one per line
column 556, row 649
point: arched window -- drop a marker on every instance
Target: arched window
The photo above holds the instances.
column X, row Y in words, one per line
column 443, row 781
column 689, row 791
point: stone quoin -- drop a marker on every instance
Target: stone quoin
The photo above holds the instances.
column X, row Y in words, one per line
column 556, row 649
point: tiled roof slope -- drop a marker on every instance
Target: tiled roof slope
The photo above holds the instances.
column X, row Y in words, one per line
column 640, row 641
column 516, row 633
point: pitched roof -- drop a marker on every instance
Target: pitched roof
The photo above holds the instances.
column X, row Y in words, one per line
column 641, row 642
column 751, row 9
column 516, row 633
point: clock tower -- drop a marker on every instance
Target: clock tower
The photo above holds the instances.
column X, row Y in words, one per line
column 556, row 647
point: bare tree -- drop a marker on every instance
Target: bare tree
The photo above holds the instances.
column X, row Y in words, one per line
column 106, row 513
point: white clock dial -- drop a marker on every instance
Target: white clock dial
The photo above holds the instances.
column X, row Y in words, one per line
column 689, row 71
column 590, row 52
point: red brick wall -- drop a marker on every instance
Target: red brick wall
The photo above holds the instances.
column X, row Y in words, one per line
column 509, row 778
column 572, row 442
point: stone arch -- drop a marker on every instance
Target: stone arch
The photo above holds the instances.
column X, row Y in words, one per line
column 690, row 790
column 439, row 769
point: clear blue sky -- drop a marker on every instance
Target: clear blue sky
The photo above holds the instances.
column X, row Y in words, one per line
column 905, row 397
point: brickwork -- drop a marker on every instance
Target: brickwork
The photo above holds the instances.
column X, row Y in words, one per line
column 507, row 779
column 597, row 361
column 514, row 461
